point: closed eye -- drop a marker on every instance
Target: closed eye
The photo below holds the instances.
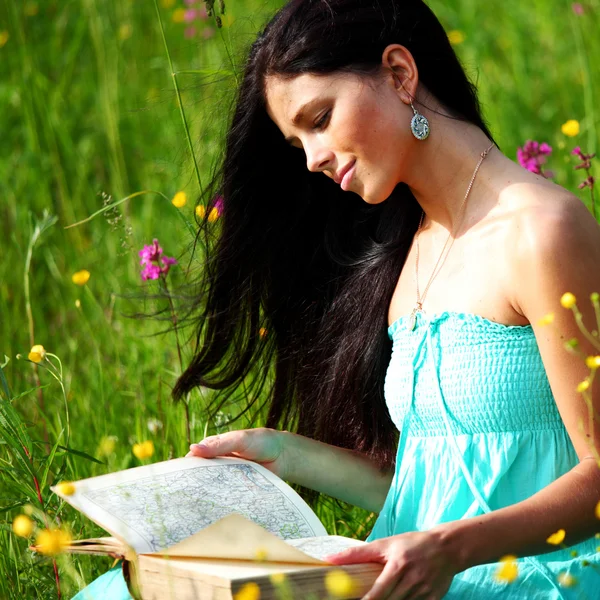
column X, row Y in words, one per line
column 321, row 123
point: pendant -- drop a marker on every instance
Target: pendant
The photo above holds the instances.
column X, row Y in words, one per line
column 412, row 320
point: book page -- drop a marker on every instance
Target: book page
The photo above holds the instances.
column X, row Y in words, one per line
column 154, row 507
column 319, row 547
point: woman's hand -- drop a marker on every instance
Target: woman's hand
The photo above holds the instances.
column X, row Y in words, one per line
column 417, row 566
column 261, row 445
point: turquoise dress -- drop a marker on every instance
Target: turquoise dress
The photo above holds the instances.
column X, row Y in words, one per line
column 479, row 430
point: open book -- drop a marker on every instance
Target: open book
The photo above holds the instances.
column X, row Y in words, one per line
column 194, row 528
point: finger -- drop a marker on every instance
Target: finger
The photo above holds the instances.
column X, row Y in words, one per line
column 371, row 552
column 409, row 587
column 384, row 584
column 220, row 445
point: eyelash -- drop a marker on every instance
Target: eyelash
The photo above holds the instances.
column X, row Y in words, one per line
column 320, row 124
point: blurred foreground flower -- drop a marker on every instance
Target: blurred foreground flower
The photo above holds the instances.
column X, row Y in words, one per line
column 107, row 445
column 154, row 263
column 81, row 277
column 23, row 526
column 570, row 128
column 598, row 510
column 577, row 8
column 125, row 31
column 568, row 300
column 340, row 584
column 52, row 541
column 508, row 569
column 546, row 319
column 566, row 580
column 66, row 488
column 456, row 37
column 249, row 591
column 179, row 199
column 143, row 450
column 3, row 38
column 215, row 212
column 556, row 538
column 37, row 353
column 533, row 155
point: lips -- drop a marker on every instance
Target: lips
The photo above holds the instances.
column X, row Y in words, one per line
column 339, row 176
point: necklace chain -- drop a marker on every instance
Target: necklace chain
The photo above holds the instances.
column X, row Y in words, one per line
column 436, row 270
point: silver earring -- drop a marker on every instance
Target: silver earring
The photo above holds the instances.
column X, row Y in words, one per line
column 419, row 124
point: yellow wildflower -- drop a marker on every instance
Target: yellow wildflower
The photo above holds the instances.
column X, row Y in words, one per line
column 508, row 570
column 167, row 3
column 556, row 538
column 143, row 450
column 568, row 300
column 52, row 541
column 249, row 591
column 200, row 211
column 277, row 578
column 3, row 38
column 107, row 445
column 260, row 555
column 22, row 526
column 213, row 215
column 81, row 277
column 570, row 128
column 66, row 488
column 546, row 319
column 582, row 386
column 566, row 580
column 178, row 15
column 456, row 37
column 262, row 332
column 340, row 584
column 179, row 199
column 78, row 303
column 593, row 362
column 125, row 31
column 598, row 510
column 37, row 353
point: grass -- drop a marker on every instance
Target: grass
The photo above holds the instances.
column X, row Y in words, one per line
column 90, row 115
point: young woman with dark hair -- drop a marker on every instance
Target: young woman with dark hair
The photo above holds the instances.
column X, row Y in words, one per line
column 402, row 266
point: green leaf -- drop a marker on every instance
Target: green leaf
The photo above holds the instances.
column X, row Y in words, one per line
column 82, row 454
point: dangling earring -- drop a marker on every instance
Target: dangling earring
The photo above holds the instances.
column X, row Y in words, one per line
column 419, row 124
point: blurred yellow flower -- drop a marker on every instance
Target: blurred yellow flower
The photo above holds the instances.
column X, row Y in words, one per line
column 593, row 362
column 456, row 37
column 66, row 488
column 566, row 580
column 556, row 538
column 262, row 332
column 125, row 31
column 508, row 569
column 249, row 591
column 178, row 15
column 3, row 38
column 340, row 584
column 31, row 9
column 568, row 300
column 52, row 541
column 81, row 277
column 598, row 510
column 167, row 3
column 260, row 555
column 179, row 199
column 23, row 526
column 200, row 211
column 570, row 128
column 107, row 445
column 144, row 449
column 213, row 215
column 582, row 386
column 78, row 303
column 277, row 578
column 37, row 353
column 546, row 319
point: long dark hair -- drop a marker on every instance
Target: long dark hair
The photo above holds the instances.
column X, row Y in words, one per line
column 295, row 255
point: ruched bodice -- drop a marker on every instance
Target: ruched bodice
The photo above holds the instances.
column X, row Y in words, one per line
column 479, row 430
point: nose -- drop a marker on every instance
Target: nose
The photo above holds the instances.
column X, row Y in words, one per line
column 318, row 158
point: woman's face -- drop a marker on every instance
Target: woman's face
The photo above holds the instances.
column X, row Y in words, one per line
column 348, row 121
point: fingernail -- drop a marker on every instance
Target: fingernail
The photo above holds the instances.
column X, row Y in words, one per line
column 199, row 445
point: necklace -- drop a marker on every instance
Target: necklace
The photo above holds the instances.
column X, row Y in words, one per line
column 420, row 299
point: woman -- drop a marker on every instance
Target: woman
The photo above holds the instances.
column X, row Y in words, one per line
column 401, row 265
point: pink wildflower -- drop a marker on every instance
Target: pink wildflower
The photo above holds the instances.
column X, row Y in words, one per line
column 533, row 155
column 189, row 32
column 219, row 205
column 154, row 263
column 190, row 15
column 577, row 8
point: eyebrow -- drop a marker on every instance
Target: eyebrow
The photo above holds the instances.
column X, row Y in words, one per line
column 300, row 115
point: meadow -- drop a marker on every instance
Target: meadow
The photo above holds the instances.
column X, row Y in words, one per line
column 114, row 99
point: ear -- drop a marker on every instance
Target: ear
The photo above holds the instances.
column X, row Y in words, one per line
column 398, row 59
